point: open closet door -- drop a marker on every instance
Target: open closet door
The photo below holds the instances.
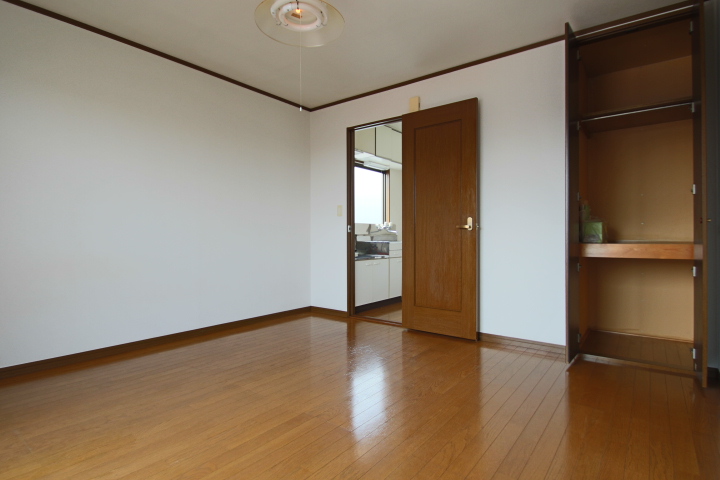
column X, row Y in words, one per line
column 572, row 118
column 439, row 219
column 700, row 206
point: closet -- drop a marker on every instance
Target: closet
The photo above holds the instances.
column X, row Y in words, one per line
column 636, row 186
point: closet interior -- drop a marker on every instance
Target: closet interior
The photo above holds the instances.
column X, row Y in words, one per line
column 639, row 201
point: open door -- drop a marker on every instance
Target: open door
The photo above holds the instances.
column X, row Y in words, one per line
column 439, row 219
column 573, row 265
column 700, row 206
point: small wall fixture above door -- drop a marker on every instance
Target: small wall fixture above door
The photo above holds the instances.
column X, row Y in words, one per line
column 305, row 23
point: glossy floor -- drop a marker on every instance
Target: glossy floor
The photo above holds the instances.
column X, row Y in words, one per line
column 312, row 397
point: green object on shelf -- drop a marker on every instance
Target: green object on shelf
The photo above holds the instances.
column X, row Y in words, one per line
column 594, row 231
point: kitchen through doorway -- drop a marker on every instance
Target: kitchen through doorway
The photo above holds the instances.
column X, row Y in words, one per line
column 375, row 221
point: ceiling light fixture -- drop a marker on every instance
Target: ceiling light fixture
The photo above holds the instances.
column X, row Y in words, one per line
column 304, row 23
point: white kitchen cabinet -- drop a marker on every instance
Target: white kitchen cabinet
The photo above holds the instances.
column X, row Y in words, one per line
column 363, row 282
column 372, row 278
column 395, row 286
column 388, row 144
column 381, row 279
column 365, row 140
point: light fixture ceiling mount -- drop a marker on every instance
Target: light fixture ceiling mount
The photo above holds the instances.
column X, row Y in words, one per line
column 305, row 23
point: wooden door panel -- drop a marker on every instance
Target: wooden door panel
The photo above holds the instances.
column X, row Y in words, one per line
column 700, row 207
column 572, row 139
column 438, row 272
column 440, row 193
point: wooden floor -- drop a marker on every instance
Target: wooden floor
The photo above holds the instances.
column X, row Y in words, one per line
column 312, row 397
column 389, row 313
column 652, row 351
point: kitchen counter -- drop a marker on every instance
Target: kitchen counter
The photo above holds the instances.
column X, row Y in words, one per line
column 360, row 258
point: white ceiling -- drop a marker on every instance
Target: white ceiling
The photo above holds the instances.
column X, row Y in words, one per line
column 384, row 41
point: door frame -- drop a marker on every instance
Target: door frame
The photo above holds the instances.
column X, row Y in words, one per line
column 350, row 212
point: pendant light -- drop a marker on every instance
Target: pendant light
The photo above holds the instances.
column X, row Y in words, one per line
column 303, row 23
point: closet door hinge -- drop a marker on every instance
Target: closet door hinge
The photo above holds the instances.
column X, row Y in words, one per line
column 349, row 229
column 692, row 25
column 580, row 266
column 577, row 54
column 694, row 271
column 694, row 353
column 580, row 338
column 694, row 189
column 692, row 107
column 579, row 197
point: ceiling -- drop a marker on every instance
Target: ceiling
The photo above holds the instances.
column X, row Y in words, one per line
column 384, row 42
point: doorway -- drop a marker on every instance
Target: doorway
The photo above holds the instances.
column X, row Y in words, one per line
column 427, row 215
column 375, row 214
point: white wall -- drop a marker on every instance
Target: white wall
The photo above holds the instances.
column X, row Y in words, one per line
column 522, row 188
column 138, row 197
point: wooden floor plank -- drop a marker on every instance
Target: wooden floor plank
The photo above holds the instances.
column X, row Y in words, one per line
column 313, row 397
column 612, row 465
column 637, row 460
column 583, row 414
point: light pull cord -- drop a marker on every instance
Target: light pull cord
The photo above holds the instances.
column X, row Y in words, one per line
column 301, row 91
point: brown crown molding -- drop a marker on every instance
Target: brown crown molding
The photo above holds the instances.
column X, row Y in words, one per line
column 446, row 71
column 585, row 32
column 144, row 48
column 686, row 5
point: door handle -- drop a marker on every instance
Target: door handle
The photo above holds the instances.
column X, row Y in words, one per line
column 469, row 225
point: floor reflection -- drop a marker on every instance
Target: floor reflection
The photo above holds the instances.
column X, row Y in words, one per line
column 366, row 366
column 389, row 313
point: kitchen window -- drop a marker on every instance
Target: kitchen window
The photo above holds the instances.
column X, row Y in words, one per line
column 370, row 195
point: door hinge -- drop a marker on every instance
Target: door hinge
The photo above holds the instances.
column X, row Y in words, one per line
column 694, row 189
column 578, row 126
column 694, row 353
column 578, row 197
column 692, row 107
column 577, row 54
column 692, row 27
column 579, row 337
column 349, row 229
column 579, row 267
column 694, row 271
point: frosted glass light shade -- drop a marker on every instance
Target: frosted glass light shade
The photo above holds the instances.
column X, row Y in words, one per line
column 307, row 23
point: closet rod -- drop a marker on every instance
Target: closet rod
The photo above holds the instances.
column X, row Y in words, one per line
column 640, row 110
column 613, row 27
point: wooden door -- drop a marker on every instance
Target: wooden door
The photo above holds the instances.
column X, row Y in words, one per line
column 700, row 207
column 439, row 194
column 573, row 265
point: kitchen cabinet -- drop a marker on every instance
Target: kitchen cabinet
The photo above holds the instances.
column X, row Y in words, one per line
column 372, row 279
column 395, row 288
column 365, row 140
column 388, row 143
column 381, row 278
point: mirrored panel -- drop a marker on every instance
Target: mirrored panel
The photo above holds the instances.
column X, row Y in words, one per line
column 377, row 181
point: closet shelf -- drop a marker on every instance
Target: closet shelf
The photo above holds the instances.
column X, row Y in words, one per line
column 638, row 116
column 658, row 251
